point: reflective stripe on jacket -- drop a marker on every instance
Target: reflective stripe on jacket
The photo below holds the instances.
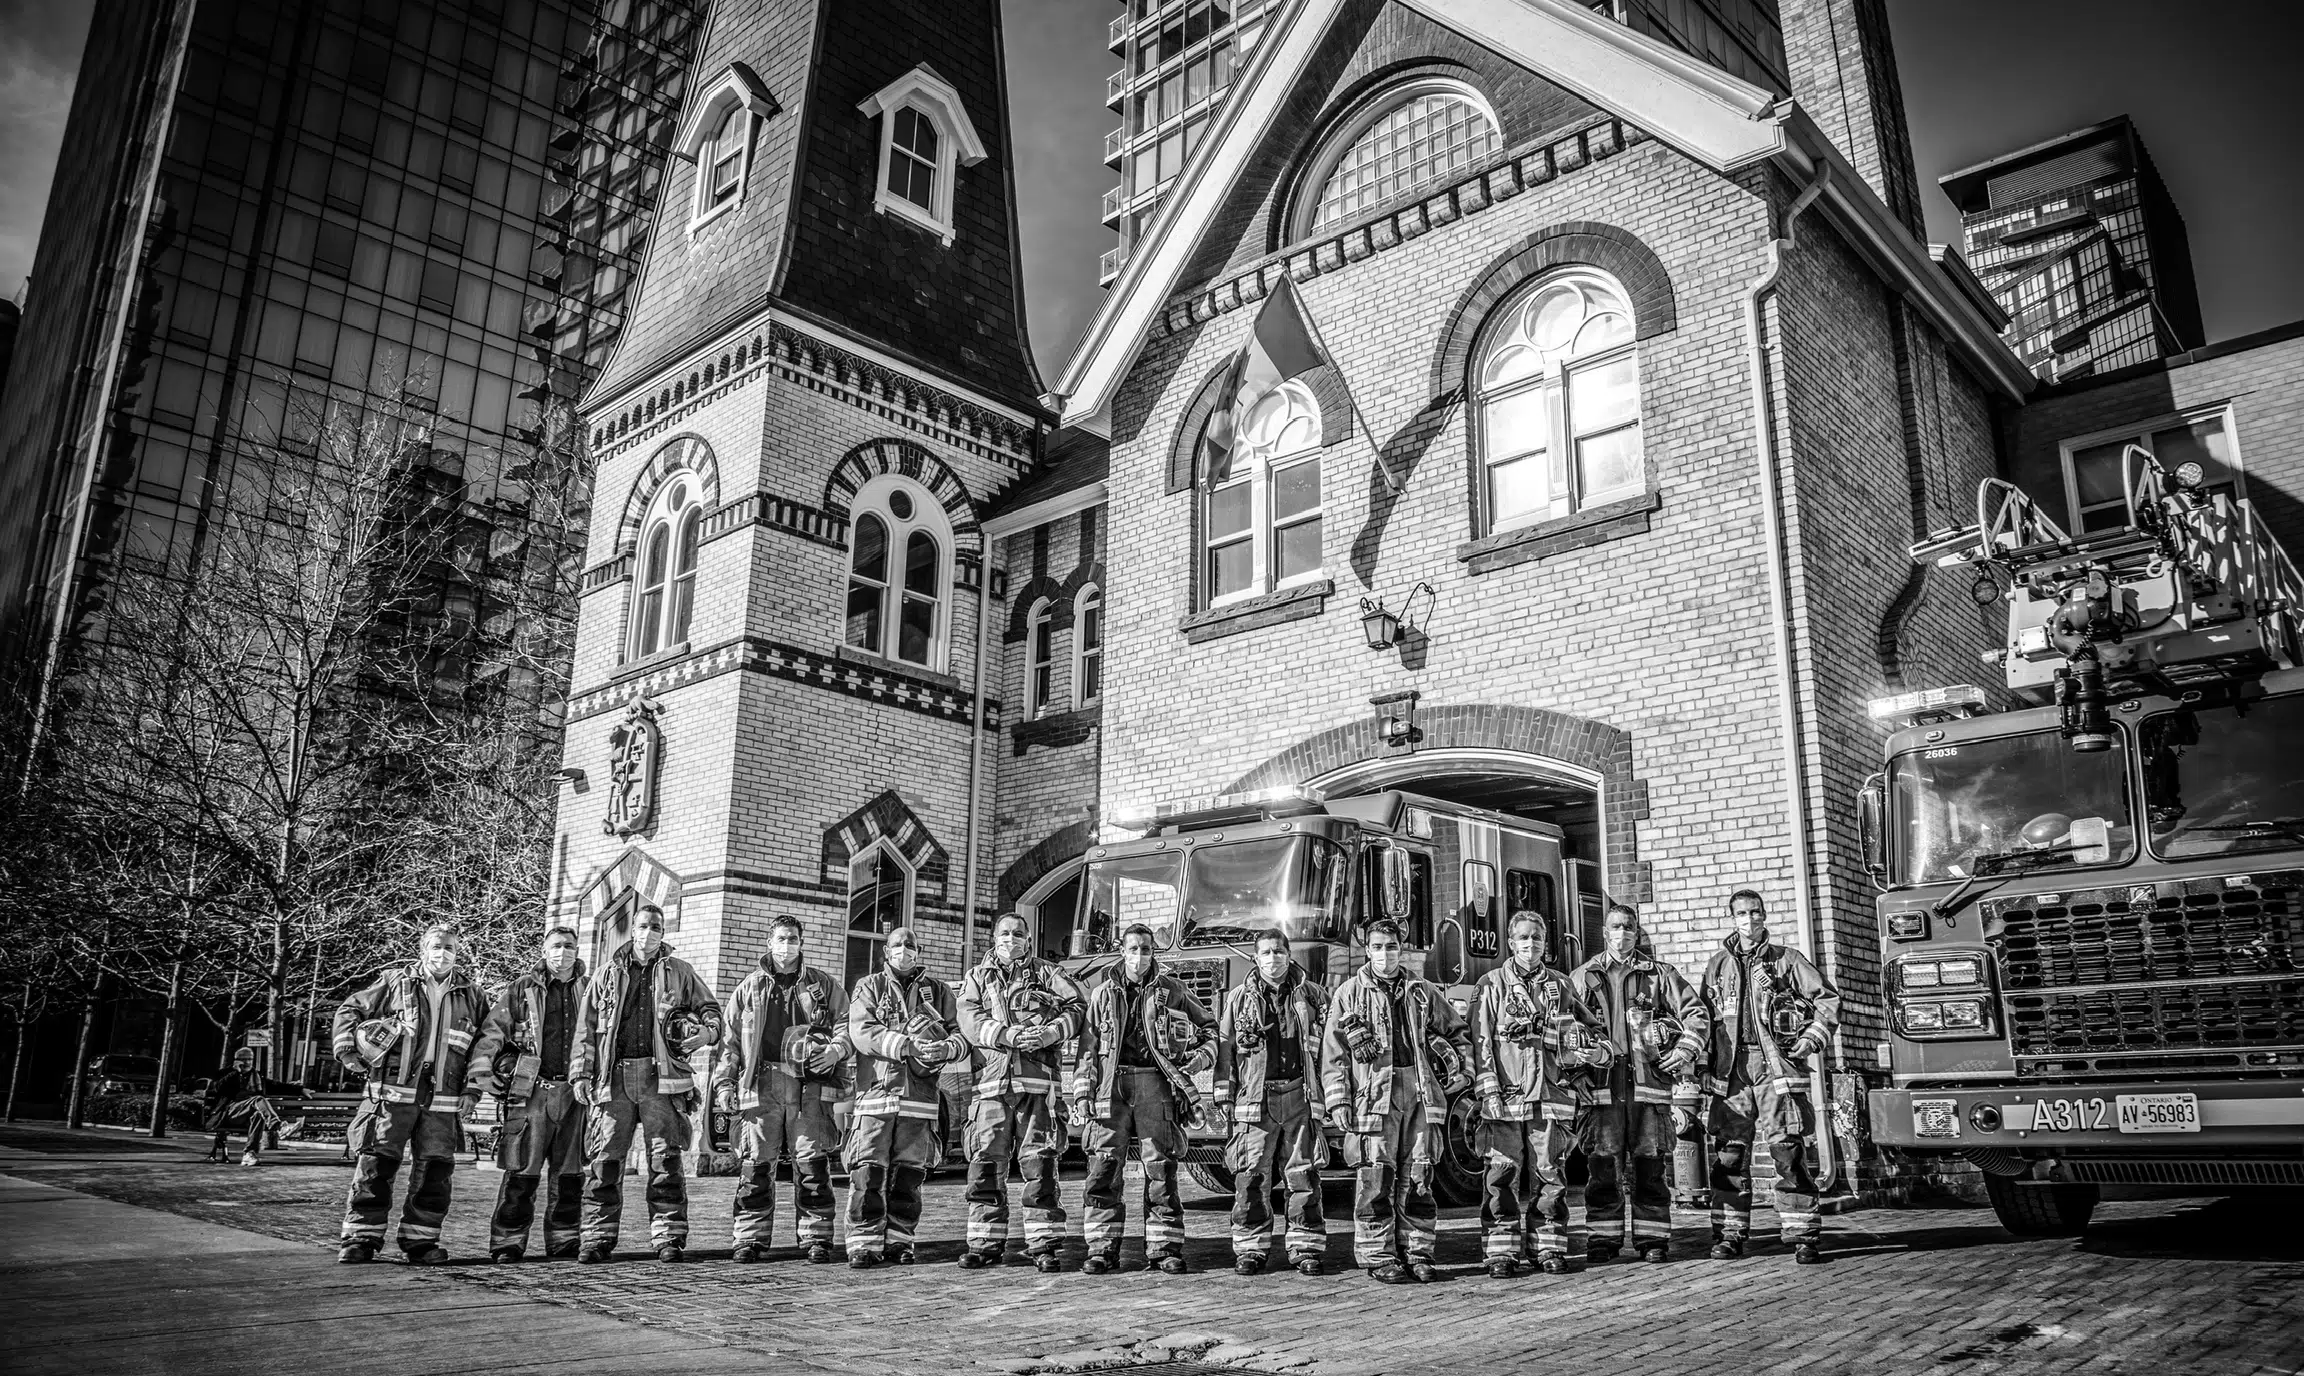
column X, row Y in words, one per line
column 816, row 1001
column 677, row 988
column 1240, row 1073
column 1725, row 992
column 1366, row 1087
column 990, row 1025
column 1542, row 1079
column 881, row 1010
column 400, row 990
column 1652, row 985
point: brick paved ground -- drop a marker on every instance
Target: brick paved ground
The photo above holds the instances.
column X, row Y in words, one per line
column 2194, row 1286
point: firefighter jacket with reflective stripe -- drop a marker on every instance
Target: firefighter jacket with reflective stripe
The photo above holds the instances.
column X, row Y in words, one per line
column 676, row 989
column 1532, row 1041
column 1362, row 1012
column 817, row 1003
column 1653, row 995
column 882, row 1011
column 1247, row 1017
column 399, row 992
column 515, row 1027
column 1741, row 1010
column 997, row 1002
column 1177, row 1051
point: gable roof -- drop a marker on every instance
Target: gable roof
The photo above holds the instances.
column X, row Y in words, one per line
column 1704, row 113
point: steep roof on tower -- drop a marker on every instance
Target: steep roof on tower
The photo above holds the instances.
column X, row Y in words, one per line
column 1711, row 117
column 804, row 234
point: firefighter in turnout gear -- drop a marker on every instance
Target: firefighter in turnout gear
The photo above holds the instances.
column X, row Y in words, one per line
column 1660, row 1028
column 1016, row 1010
column 644, row 1014
column 1267, row 1063
column 906, row 1029
column 1532, row 1041
column 411, row 1034
column 523, row 1056
column 1383, row 1062
column 1143, row 1040
column 1771, row 1011
column 780, row 1073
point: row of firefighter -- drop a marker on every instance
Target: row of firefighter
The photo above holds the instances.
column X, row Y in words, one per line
column 1619, row 1057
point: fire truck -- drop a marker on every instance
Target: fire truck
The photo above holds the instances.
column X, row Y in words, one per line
column 2092, row 899
column 1208, row 875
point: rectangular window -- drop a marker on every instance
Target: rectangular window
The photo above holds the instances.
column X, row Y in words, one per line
column 912, row 159
column 1231, row 540
column 1296, row 521
column 1604, row 419
column 1088, row 631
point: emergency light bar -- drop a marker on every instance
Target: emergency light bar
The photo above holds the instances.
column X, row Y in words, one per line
column 1144, row 816
column 1955, row 700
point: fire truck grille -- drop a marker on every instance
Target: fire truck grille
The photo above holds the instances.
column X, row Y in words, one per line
column 2224, row 959
column 2141, row 1171
column 1205, row 978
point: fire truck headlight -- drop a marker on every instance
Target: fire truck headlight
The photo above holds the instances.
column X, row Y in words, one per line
column 1960, row 972
column 1923, row 1017
column 1963, row 1013
column 1919, row 974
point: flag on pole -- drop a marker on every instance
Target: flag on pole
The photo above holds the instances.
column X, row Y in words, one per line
column 1282, row 345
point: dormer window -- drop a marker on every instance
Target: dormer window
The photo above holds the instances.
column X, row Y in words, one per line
column 718, row 136
column 925, row 138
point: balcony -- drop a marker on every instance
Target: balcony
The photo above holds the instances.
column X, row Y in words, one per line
column 1113, row 143
column 1115, row 87
column 1117, row 37
column 1115, row 201
column 1108, row 267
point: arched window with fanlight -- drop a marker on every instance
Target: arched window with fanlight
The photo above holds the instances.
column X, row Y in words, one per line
column 1261, row 517
column 1557, row 392
column 664, row 581
column 1397, row 141
column 899, row 566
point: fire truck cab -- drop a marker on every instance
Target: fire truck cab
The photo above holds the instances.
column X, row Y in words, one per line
column 1207, row 876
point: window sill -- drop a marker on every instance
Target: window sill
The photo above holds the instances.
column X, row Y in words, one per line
column 633, row 668
column 1593, row 526
column 1253, row 613
column 714, row 212
column 865, row 659
column 887, row 202
column 1052, row 730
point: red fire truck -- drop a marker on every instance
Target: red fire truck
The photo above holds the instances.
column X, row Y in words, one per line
column 2092, row 900
column 1208, row 875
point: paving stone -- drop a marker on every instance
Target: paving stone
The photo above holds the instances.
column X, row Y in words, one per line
column 1230, row 1352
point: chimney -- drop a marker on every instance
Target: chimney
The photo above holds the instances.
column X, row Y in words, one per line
column 1843, row 70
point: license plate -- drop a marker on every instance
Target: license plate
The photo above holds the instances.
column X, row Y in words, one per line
column 2159, row 1112
column 1936, row 1117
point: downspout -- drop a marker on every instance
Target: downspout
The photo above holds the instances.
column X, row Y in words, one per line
column 1796, row 803
column 976, row 756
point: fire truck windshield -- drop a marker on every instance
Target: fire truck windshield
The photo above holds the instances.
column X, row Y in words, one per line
column 1976, row 807
column 1220, row 893
column 2225, row 780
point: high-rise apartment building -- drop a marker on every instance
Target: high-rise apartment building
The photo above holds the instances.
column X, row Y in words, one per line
column 1179, row 58
column 265, row 204
column 2080, row 242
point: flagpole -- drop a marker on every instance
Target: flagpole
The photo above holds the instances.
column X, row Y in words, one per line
column 1375, row 442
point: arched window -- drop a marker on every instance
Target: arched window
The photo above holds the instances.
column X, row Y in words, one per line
column 1039, row 659
column 664, row 588
column 879, row 901
column 1558, row 393
column 1087, row 646
column 717, row 135
column 1399, row 140
column 900, row 549
column 725, row 155
column 1261, row 518
column 926, row 137
column 912, row 158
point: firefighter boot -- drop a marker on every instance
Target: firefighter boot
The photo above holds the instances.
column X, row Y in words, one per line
column 355, row 1253
column 1807, row 1253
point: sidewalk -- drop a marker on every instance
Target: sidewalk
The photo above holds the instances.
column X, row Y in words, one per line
column 97, row 1286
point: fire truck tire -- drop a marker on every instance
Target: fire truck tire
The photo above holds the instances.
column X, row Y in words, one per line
column 2035, row 1210
column 1214, row 1178
column 1459, row 1174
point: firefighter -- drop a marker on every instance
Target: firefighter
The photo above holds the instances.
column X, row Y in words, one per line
column 1383, row 1072
column 1134, row 1082
column 1532, row 1038
column 905, row 1029
column 410, row 1034
column 781, row 1073
column 1659, row 1027
column 1771, row 1011
column 523, row 1056
column 1267, row 1059
column 1015, row 1010
column 644, row 1014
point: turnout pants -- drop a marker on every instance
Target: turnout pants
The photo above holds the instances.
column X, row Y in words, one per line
column 802, row 1129
column 1394, row 1216
column 1642, row 1135
column 887, row 1161
column 1023, row 1126
column 634, row 1107
column 1143, row 1109
column 543, row 1137
column 380, row 1135
column 1524, row 1201
column 1287, row 1145
column 1754, row 1110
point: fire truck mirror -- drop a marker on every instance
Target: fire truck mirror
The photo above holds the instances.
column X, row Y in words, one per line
column 1396, row 896
column 1871, row 829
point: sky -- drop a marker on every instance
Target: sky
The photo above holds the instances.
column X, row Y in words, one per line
column 2211, row 85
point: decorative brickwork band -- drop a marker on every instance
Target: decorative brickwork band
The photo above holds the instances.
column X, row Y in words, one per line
column 886, row 686
column 685, row 452
column 780, row 513
column 608, row 571
column 1537, row 732
column 875, row 457
column 1030, row 867
column 886, row 817
column 1636, row 268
